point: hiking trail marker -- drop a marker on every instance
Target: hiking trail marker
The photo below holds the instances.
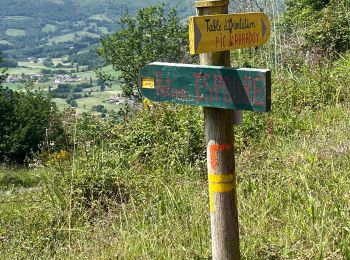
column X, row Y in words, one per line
column 221, row 90
column 212, row 33
column 208, row 86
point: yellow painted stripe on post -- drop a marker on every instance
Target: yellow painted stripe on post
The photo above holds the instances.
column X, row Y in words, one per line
column 219, row 183
column 221, row 178
column 148, row 83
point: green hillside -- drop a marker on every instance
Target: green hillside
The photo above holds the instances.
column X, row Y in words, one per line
column 29, row 30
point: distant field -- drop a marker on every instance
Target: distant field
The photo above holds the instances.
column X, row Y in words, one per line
column 80, row 23
column 93, row 46
column 98, row 98
column 20, row 86
column 61, row 103
column 61, row 60
column 14, row 86
column 15, row 32
column 108, row 69
column 84, row 104
column 17, row 18
column 31, row 65
column 72, row 37
column 4, row 42
column 103, row 30
column 26, row 67
column 25, row 70
column 100, row 17
column 49, row 28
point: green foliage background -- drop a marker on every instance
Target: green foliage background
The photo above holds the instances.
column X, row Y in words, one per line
column 27, row 120
column 325, row 25
column 150, row 36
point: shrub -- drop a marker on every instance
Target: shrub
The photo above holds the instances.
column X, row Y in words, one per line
column 138, row 43
column 3, row 74
column 323, row 25
column 26, row 121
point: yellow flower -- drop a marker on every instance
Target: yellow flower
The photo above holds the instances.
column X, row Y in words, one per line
column 147, row 104
column 62, row 155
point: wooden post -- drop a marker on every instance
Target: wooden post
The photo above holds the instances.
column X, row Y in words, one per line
column 220, row 157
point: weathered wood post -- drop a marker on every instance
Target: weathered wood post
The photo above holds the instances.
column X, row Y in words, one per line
column 220, row 154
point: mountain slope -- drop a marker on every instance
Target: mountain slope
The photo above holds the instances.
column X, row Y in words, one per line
column 37, row 27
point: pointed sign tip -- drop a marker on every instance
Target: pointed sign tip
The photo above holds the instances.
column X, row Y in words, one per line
column 198, row 36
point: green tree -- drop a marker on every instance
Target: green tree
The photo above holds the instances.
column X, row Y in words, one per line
column 9, row 63
column 150, row 35
column 74, row 103
column 307, row 5
column 27, row 119
column 48, row 63
column 3, row 74
column 101, row 83
column 324, row 24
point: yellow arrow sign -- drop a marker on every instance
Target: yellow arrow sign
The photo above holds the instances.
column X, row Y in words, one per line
column 213, row 33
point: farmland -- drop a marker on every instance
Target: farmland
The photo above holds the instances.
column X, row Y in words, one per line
column 85, row 104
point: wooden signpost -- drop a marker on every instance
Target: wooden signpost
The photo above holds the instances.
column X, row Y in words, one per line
column 219, row 89
column 228, row 31
column 207, row 86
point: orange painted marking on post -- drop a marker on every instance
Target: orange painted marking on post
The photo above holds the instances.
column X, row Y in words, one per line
column 214, row 148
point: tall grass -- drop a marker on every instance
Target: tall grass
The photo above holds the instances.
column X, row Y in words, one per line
column 138, row 189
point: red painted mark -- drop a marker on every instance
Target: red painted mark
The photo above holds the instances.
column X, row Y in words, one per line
column 167, row 90
column 218, row 85
column 160, row 89
column 214, row 148
column 216, row 88
column 221, row 41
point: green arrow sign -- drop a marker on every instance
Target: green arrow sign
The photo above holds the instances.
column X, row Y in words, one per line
column 209, row 86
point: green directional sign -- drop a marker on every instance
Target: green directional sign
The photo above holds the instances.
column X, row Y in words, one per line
column 209, row 86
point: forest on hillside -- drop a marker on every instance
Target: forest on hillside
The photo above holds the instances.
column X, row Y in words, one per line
column 38, row 28
column 48, row 27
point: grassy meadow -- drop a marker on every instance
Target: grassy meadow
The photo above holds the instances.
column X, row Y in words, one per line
column 134, row 185
column 139, row 189
column 15, row 32
column 72, row 37
column 294, row 203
